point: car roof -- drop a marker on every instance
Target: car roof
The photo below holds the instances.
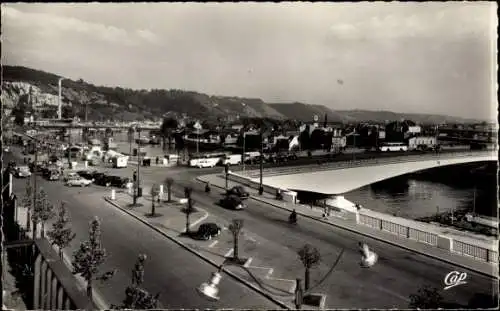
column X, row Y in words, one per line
column 209, row 224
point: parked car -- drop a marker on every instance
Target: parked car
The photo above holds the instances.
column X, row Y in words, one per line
column 78, row 182
column 232, row 202
column 71, row 176
column 117, row 181
column 86, row 174
column 23, row 172
column 53, row 175
column 207, row 231
column 100, row 179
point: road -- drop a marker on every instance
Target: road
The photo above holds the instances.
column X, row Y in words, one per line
column 170, row 270
column 398, row 274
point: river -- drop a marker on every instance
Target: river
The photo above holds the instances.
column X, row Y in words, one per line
column 435, row 191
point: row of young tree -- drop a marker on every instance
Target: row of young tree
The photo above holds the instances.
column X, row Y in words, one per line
column 90, row 255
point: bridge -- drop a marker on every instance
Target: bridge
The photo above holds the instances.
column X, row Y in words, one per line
column 341, row 177
column 146, row 127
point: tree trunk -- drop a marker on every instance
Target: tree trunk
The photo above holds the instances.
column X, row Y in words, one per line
column 164, row 143
column 89, row 288
column 187, row 222
column 61, row 253
column 153, row 206
column 28, row 221
column 35, row 229
column 306, row 279
column 169, row 189
column 43, row 230
column 235, row 249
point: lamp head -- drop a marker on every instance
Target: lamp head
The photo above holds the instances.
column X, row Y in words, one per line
column 210, row 290
column 368, row 257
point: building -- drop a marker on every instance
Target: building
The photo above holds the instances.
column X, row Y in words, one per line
column 338, row 143
column 422, row 142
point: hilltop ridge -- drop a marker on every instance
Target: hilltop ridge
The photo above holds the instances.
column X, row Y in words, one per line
column 118, row 103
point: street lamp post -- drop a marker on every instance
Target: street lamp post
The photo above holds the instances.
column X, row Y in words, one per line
column 210, row 289
column 137, row 175
column 261, row 165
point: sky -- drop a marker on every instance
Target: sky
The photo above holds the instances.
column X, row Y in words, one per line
column 403, row 57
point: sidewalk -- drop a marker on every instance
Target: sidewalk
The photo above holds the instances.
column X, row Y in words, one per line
column 345, row 221
column 171, row 222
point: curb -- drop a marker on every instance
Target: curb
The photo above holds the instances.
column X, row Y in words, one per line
column 199, row 255
column 492, row 276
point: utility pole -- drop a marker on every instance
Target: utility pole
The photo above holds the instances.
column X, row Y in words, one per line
column 138, row 162
column 69, row 148
column 243, row 155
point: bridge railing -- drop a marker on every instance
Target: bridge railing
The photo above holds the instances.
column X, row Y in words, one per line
column 476, row 251
column 363, row 162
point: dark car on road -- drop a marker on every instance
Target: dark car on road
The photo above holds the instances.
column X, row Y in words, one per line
column 86, row 174
column 232, row 202
column 239, row 191
column 100, row 179
column 207, row 231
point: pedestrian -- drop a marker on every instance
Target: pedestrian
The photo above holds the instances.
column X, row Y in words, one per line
column 157, row 160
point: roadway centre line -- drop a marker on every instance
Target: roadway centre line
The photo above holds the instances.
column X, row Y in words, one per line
column 229, row 253
column 213, row 244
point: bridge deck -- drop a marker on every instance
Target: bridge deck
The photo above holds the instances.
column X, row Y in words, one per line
column 341, row 181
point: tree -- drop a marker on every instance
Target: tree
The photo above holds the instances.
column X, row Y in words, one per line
column 169, row 182
column 90, row 255
column 40, row 209
column 135, row 296
column 305, row 139
column 167, row 127
column 43, row 211
column 27, row 202
column 187, row 192
column 155, row 191
column 426, row 298
column 310, row 258
column 61, row 235
column 235, row 228
column 19, row 113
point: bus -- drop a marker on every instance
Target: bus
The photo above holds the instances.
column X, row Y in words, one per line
column 391, row 147
column 195, row 161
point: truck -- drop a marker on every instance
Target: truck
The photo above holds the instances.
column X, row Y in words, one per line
column 120, row 161
column 232, row 159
